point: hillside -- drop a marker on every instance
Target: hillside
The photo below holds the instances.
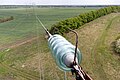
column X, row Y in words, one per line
column 95, row 41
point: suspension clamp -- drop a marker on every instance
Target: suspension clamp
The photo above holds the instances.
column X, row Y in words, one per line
column 79, row 73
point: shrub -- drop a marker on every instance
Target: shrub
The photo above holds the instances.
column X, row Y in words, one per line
column 6, row 19
column 117, row 46
column 75, row 22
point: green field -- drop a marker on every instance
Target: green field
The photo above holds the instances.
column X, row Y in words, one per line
column 24, row 24
column 24, row 53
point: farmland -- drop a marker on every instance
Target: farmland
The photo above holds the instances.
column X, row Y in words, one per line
column 24, row 53
column 95, row 41
column 25, row 19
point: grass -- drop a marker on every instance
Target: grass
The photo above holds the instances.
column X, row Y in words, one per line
column 101, row 48
column 95, row 40
column 24, row 23
column 34, row 55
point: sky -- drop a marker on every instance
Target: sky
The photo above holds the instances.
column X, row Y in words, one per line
column 60, row 2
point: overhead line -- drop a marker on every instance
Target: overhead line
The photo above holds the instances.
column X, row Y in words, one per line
column 43, row 26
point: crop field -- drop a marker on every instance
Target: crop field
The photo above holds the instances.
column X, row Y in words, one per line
column 24, row 52
column 24, row 24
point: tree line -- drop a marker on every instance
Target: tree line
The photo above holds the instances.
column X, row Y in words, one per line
column 76, row 22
